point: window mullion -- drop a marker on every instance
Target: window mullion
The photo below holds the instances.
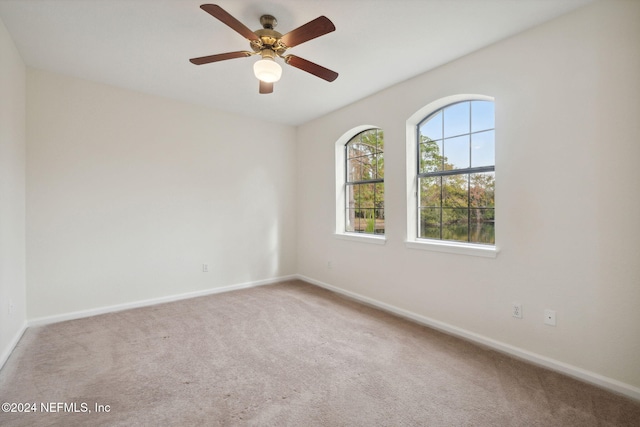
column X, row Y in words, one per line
column 479, row 169
column 469, row 178
column 367, row 181
column 441, row 178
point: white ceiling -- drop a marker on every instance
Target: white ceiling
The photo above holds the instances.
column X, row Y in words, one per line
column 145, row 45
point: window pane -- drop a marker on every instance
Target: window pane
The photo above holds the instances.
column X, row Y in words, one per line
column 377, row 166
column 351, row 196
column 482, row 223
column 482, row 115
column 456, row 153
column 358, row 222
column 430, row 156
column 456, row 119
column 360, row 169
column 379, row 221
column 454, row 191
column 365, row 196
column 432, row 128
column 483, row 149
column 455, row 224
column 482, row 190
column 350, row 220
column 355, row 149
column 353, row 169
column 359, row 149
column 380, row 140
column 365, row 220
column 369, row 139
column 429, row 223
column 352, row 150
column 430, row 191
column 378, row 198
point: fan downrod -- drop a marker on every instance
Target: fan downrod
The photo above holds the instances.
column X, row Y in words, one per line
column 268, row 22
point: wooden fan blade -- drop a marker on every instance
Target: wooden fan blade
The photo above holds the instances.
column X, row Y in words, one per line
column 310, row 67
column 220, row 57
column 224, row 17
column 312, row 29
column 266, row 87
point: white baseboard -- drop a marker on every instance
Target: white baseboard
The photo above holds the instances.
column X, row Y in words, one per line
column 144, row 303
column 12, row 345
column 537, row 359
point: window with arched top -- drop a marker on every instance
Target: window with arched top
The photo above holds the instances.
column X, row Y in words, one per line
column 359, row 166
column 451, row 181
column 455, row 172
column 364, row 183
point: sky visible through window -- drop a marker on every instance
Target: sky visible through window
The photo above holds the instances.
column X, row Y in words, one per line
column 464, row 140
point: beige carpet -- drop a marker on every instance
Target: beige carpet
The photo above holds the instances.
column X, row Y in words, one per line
column 289, row 354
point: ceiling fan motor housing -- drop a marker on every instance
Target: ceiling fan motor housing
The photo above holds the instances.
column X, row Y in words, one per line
column 269, row 39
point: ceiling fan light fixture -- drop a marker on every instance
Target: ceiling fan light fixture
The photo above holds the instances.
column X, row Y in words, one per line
column 267, row 70
column 269, row 44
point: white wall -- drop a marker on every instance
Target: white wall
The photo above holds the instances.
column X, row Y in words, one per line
column 129, row 194
column 12, row 194
column 567, row 151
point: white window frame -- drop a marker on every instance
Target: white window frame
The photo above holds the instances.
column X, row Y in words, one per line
column 340, row 162
column 412, row 240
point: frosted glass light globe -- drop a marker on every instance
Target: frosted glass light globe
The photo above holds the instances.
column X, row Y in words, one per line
column 267, row 70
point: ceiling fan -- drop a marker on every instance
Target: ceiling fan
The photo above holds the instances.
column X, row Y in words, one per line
column 270, row 44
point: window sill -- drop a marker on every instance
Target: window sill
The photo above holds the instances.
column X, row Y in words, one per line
column 376, row 239
column 486, row 251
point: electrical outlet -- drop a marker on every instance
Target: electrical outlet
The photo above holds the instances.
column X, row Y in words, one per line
column 550, row 317
column 329, row 265
column 11, row 308
column 205, row 268
column 516, row 310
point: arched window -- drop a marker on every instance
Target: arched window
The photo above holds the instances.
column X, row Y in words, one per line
column 359, row 167
column 455, row 173
column 364, row 183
